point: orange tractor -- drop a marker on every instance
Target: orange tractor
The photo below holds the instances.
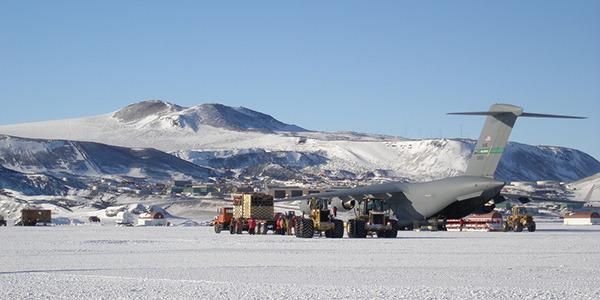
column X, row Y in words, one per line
column 223, row 218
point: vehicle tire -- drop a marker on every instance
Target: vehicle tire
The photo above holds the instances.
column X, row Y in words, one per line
column 518, row 227
column 239, row 227
column 531, row 227
column 306, row 228
column 338, row 230
column 265, row 228
column 297, row 227
column 392, row 233
column 505, row 226
column 356, row 229
column 218, row 228
column 232, row 229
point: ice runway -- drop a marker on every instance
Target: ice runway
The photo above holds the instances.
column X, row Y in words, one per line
column 83, row 262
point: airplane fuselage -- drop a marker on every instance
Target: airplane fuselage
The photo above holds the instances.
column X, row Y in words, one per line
column 453, row 197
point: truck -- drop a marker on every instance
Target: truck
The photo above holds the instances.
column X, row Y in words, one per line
column 253, row 213
column 372, row 216
column 320, row 219
column 518, row 219
column 33, row 217
column 223, row 218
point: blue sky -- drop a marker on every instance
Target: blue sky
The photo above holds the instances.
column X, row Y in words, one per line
column 391, row 67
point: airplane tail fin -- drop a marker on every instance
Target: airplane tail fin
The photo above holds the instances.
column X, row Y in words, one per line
column 493, row 139
column 588, row 197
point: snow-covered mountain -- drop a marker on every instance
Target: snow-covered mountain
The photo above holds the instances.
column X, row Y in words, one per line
column 253, row 144
column 159, row 114
column 24, row 157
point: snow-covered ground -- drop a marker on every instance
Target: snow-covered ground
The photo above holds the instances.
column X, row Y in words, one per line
column 556, row 262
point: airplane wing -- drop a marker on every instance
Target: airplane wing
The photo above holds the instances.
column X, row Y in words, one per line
column 529, row 198
column 384, row 191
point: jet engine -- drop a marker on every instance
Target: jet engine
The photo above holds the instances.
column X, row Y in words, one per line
column 343, row 203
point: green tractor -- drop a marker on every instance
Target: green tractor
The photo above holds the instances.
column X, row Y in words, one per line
column 372, row 216
column 320, row 219
column 518, row 220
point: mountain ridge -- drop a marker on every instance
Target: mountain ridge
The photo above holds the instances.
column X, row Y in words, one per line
column 244, row 142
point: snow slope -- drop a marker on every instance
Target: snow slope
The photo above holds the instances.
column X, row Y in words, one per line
column 34, row 184
column 217, row 136
column 110, row 262
column 67, row 158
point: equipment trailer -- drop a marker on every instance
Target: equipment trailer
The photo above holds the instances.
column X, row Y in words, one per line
column 252, row 213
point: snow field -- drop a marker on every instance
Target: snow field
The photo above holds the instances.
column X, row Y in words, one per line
column 556, row 262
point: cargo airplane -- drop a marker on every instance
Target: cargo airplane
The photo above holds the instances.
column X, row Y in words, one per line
column 448, row 198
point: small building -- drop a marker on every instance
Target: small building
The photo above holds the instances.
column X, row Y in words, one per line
column 179, row 186
column 582, row 218
column 152, row 219
column 33, row 216
column 182, row 183
column 200, row 189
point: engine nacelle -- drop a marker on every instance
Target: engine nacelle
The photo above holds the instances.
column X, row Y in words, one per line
column 343, row 203
column 304, row 206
